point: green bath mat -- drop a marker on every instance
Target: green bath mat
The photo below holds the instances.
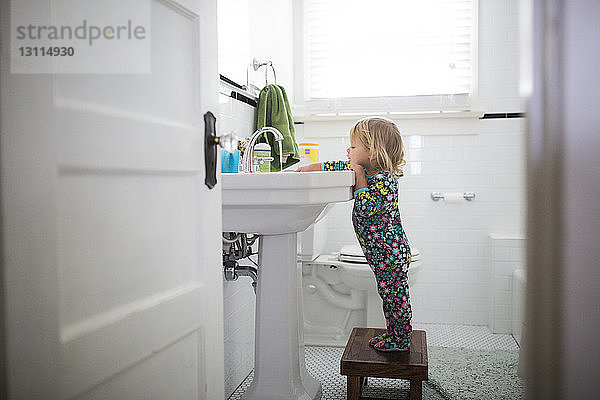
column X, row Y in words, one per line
column 468, row 374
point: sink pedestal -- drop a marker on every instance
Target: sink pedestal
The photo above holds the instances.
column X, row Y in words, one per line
column 279, row 367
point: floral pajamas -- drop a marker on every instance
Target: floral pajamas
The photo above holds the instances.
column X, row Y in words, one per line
column 378, row 227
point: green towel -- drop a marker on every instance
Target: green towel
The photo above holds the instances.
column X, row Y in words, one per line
column 274, row 110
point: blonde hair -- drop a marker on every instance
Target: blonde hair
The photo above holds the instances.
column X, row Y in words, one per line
column 381, row 137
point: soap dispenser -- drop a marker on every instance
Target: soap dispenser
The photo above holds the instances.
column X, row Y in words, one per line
column 262, row 152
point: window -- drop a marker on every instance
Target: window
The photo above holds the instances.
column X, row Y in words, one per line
column 388, row 56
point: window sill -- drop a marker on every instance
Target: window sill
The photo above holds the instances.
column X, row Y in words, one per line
column 393, row 116
column 421, row 124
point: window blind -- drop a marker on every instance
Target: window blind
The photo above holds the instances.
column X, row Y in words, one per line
column 388, row 55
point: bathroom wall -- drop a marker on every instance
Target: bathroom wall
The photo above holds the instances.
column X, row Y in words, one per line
column 238, row 297
column 481, row 156
column 271, row 38
column 507, row 254
column 260, row 29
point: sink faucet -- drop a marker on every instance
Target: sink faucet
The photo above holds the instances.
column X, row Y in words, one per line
column 248, row 160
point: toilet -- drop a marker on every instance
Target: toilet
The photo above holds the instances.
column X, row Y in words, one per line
column 357, row 275
column 339, row 289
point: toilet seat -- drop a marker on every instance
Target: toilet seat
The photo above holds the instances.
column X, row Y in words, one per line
column 354, row 254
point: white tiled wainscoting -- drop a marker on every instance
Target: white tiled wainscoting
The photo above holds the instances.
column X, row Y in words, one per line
column 506, row 257
column 238, row 296
column 238, row 313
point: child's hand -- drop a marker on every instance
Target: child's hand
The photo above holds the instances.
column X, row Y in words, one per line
column 357, row 168
column 360, row 181
column 310, row 167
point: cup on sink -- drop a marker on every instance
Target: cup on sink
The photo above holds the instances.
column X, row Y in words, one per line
column 230, row 161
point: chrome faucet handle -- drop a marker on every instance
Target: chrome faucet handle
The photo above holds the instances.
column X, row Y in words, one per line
column 255, row 166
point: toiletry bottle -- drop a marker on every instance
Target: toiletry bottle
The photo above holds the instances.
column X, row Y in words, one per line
column 262, row 151
column 309, row 153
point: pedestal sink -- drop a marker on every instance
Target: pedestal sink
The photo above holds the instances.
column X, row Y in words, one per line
column 277, row 206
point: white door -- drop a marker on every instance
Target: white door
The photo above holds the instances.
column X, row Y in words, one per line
column 110, row 238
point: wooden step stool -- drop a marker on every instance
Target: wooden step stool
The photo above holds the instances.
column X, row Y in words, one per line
column 360, row 360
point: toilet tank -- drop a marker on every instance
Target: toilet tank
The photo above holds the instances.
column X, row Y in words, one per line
column 312, row 241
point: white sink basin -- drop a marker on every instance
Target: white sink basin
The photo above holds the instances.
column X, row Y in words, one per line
column 280, row 202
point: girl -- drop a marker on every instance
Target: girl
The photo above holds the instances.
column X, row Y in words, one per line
column 376, row 154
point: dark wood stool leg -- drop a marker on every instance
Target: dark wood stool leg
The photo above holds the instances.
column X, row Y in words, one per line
column 353, row 388
column 415, row 390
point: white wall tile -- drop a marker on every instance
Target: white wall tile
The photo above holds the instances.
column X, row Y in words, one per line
column 238, row 296
column 507, row 255
column 437, row 303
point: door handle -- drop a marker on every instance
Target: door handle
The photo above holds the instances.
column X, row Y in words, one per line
column 229, row 142
column 210, row 150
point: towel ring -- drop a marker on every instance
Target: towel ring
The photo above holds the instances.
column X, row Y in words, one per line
column 256, row 65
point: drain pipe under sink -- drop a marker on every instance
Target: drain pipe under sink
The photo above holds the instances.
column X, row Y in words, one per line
column 232, row 271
